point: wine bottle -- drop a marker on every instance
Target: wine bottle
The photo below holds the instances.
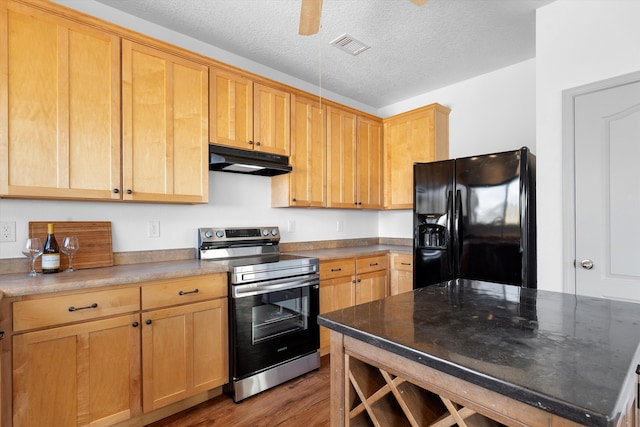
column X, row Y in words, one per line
column 50, row 253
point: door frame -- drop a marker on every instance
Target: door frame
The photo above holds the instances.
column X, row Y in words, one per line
column 568, row 170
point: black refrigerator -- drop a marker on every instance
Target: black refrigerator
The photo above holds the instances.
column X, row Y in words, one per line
column 475, row 218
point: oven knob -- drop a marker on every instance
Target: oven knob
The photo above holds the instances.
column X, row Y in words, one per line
column 219, row 234
column 274, row 232
column 208, row 234
column 265, row 232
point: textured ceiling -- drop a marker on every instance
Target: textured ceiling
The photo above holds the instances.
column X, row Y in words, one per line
column 413, row 49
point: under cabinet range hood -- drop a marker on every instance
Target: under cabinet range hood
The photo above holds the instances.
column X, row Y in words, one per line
column 227, row 159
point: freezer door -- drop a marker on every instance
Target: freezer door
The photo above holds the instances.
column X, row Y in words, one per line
column 432, row 222
column 488, row 227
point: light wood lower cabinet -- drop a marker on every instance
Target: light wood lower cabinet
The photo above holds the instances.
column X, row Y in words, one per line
column 401, row 273
column 345, row 282
column 184, row 352
column 112, row 356
column 82, row 374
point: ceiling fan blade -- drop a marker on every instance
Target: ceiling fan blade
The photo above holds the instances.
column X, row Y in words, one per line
column 310, row 17
column 419, row 2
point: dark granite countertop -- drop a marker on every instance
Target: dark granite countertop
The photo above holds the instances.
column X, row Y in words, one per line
column 569, row 355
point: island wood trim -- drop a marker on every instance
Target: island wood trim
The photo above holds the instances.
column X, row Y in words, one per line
column 463, row 396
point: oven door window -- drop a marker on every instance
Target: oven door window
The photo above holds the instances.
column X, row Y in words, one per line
column 273, row 327
column 279, row 313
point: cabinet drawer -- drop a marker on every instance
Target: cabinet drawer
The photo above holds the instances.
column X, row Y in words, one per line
column 164, row 293
column 39, row 313
column 402, row 262
column 337, row 268
column 372, row 263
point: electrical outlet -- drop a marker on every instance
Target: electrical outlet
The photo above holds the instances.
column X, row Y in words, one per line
column 154, row 229
column 340, row 226
column 291, row 226
column 8, row 231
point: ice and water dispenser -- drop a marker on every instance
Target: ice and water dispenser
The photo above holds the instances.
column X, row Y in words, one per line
column 432, row 231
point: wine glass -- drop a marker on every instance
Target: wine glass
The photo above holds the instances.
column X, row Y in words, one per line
column 32, row 249
column 70, row 246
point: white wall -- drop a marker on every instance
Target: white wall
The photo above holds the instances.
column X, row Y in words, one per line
column 577, row 42
column 234, row 200
column 489, row 113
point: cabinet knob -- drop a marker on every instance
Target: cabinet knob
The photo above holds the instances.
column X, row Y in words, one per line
column 250, row 142
column 258, row 143
column 294, row 200
column 149, row 321
column 115, row 190
column 135, row 324
column 129, row 191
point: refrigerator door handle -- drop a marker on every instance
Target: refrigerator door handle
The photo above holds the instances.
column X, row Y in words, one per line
column 451, row 232
column 458, row 232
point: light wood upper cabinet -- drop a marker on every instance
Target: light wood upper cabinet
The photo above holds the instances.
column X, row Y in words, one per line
column 165, row 121
column 59, row 107
column 354, row 161
column 369, row 164
column 305, row 185
column 341, row 159
column 271, row 119
column 231, row 109
column 420, row 135
column 248, row 115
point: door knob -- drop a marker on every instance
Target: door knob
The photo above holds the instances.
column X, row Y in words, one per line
column 587, row 264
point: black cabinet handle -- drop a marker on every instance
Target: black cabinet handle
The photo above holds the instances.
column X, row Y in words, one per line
column 373, row 265
column 333, row 270
column 250, row 142
column 135, row 324
column 115, row 190
column 405, row 263
column 129, row 191
column 94, row 305
column 294, row 200
column 195, row 291
column 149, row 321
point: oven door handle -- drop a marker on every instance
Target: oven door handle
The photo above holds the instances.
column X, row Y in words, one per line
column 240, row 291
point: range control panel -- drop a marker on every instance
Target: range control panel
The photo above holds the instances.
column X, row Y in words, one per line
column 211, row 237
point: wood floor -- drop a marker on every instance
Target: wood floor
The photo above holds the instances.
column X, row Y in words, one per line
column 302, row 401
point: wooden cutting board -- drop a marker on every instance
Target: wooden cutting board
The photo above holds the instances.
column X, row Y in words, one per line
column 94, row 238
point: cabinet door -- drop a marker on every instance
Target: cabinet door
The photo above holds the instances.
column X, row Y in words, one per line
column 371, row 286
column 231, row 109
column 369, row 164
column 341, row 159
column 184, row 352
column 59, row 107
column 165, row 122
column 77, row 375
column 271, row 120
column 401, row 273
column 335, row 294
column 420, row 135
column 305, row 185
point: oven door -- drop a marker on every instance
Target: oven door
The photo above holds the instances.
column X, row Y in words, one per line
column 273, row 322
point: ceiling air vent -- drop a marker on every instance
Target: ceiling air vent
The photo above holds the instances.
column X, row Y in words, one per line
column 349, row 44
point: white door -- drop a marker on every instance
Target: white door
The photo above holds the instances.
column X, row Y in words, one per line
column 607, row 192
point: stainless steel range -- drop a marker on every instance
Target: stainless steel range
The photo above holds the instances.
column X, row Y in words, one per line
column 273, row 307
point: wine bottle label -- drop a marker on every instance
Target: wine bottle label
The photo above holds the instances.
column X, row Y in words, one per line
column 50, row 261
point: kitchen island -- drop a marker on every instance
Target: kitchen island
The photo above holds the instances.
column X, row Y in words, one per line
column 474, row 353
